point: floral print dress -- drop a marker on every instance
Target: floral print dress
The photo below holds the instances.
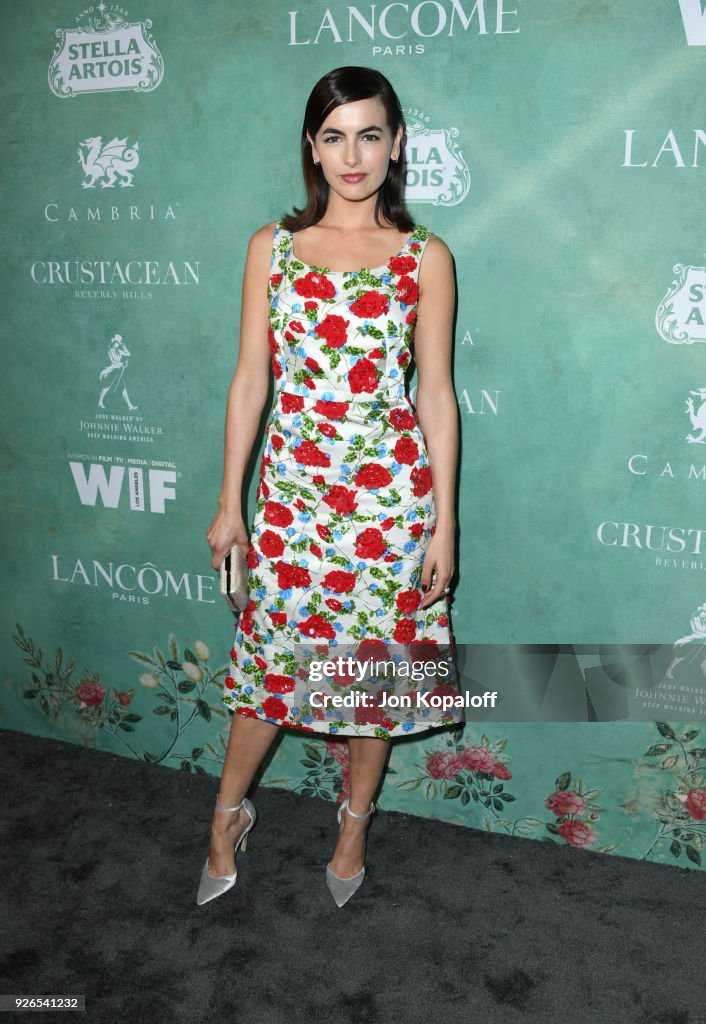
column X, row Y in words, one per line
column 345, row 506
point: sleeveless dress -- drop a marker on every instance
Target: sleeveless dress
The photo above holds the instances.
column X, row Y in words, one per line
column 345, row 506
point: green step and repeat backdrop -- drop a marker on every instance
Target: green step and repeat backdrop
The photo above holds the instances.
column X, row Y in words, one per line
column 559, row 148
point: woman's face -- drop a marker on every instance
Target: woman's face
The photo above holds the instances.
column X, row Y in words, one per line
column 354, row 146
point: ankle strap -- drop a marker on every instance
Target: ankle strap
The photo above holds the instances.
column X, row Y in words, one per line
column 236, row 808
column 361, row 816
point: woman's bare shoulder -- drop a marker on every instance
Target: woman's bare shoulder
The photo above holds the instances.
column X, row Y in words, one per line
column 437, row 262
column 262, row 239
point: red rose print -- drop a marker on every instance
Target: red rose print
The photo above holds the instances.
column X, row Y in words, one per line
column 314, row 286
column 278, row 684
column 478, row 759
column 291, row 575
column 370, row 544
column 408, row 601
column 260, row 662
column 375, row 353
column 341, row 500
column 247, row 712
column 331, row 410
column 276, row 367
column 316, row 625
column 407, row 291
column 271, row 544
column 327, row 429
column 340, row 581
column 274, row 708
column 275, row 280
column 124, row 699
column 402, row 264
column 501, row 771
column 301, row 505
column 229, row 681
column 309, row 306
column 294, row 325
column 91, row 694
column 563, row 802
column 406, row 451
column 373, row 475
column 362, row 376
column 577, row 833
column 416, row 529
column 444, row 765
column 253, row 559
column 323, row 531
column 333, row 603
column 370, row 305
column 307, row 454
column 277, row 514
column 319, row 479
column 277, row 442
column 421, row 478
column 290, row 402
column 695, row 803
column 411, row 316
column 388, row 523
column 312, row 365
column 405, row 631
column 272, row 341
column 333, row 330
column 279, row 618
column 402, row 419
column 316, row 550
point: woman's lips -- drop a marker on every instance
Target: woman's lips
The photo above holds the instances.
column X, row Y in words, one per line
column 352, row 178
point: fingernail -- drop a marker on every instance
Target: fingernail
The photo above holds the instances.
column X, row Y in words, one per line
column 425, row 587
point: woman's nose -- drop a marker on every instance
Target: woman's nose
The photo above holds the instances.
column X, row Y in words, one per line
column 351, row 157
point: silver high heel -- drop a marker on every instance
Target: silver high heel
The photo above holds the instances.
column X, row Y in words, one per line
column 210, row 886
column 343, row 888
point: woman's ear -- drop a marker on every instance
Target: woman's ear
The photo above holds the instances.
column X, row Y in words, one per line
column 313, row 149
column 397, row 145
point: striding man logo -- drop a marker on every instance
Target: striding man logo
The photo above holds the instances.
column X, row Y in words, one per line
column 114, row 372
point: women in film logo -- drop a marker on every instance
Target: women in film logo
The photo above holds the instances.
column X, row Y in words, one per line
column 103, row 53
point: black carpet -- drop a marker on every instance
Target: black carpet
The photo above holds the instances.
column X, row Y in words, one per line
column 102, row 859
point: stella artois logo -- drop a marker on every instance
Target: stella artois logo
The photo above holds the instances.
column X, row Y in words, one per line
column 681, row 315
column 436, row 170
column 105, row 52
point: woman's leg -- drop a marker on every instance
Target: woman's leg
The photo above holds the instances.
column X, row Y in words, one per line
column 249, row 741
column 367, row 759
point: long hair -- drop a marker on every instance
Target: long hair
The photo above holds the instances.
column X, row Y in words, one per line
column 347, row 85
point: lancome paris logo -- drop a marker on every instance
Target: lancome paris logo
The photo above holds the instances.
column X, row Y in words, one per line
column 436, row 170
column 397, row 29
column 105, row 52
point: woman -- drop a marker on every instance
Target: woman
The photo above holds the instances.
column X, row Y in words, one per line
column 345, row 508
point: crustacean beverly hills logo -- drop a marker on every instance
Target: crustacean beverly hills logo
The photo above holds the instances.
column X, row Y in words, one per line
column 436, row 170
column 103, row 53
column 681, row 315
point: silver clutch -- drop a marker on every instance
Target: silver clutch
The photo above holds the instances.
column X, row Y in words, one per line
column 234, row 579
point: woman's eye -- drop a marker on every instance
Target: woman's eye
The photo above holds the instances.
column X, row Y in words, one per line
column 372, row 138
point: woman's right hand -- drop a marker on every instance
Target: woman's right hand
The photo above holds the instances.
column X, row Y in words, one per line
column 226, row 529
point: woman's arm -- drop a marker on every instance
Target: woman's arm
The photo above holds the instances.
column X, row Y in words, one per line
column 436, row 404
column 246, row 397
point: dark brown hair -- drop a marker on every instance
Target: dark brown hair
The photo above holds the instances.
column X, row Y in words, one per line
column 347, row 85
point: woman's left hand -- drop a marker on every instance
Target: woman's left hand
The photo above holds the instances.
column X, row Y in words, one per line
column 438, row 567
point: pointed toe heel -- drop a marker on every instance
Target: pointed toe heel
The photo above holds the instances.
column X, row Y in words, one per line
column 343, row 888
column 210, row 886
